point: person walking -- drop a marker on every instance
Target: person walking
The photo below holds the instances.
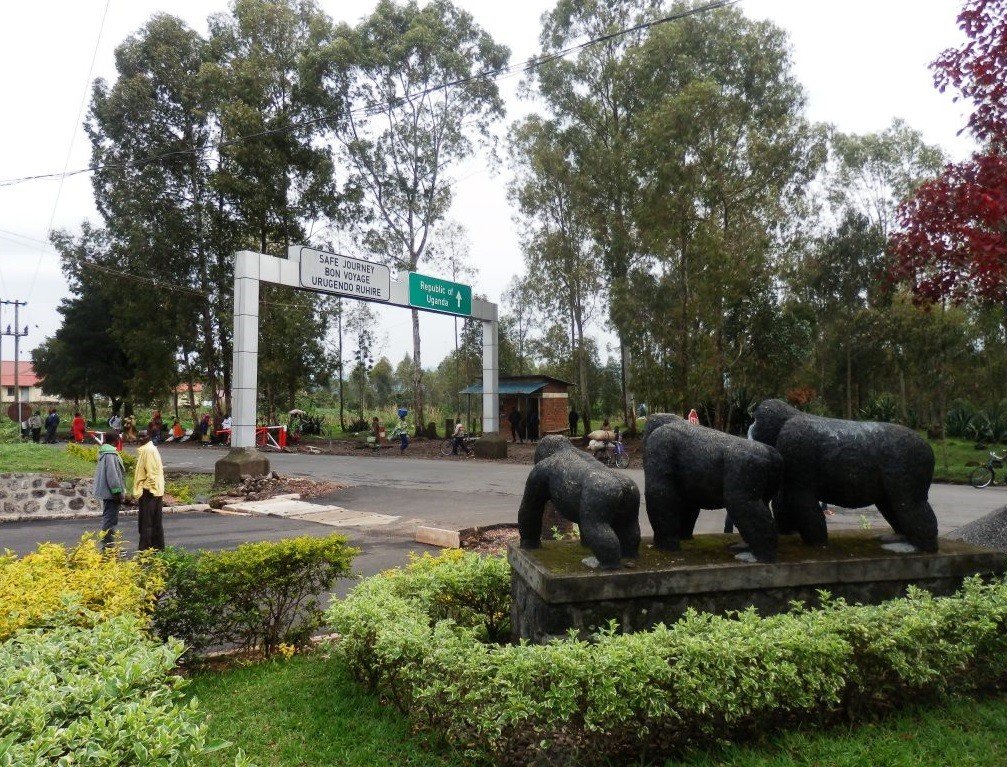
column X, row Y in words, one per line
column 515, row 422
column 533, row 425
column 458, row 439
column 109, row 484
column 77, row 426
column 115, row 423
column 573, row 418
column 148, row 488
column 35, row 425
column 51, row 424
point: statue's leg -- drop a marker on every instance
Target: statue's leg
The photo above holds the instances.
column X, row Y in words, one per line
column 912, row 513
column 597, row 534
column 687, row 522
column 626, row 524
column 801, row 509
column 663, row 507
column 529, row 516
column 887, row 511
column 743, row 494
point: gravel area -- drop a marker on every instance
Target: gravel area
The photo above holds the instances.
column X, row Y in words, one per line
column 989, row 531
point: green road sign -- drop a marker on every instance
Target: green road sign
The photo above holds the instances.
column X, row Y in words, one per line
column 439, row 295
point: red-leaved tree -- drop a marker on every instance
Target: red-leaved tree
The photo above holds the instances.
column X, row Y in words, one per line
column 951, row 235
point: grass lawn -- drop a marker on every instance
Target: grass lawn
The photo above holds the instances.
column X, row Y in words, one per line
column 53, row 459
column 965, row 734
column 307, row 712
column 954, row 455
column 304, row 712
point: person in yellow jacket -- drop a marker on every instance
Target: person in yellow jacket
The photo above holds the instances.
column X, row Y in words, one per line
column 148, row 488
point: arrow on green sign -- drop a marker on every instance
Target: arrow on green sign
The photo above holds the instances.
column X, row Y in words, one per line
column 437, row 295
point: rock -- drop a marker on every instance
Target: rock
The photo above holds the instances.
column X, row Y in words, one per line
column 989, row 531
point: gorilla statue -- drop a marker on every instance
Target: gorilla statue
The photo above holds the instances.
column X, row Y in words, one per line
column 690, row 467
column 604, row 503
column 852, row 464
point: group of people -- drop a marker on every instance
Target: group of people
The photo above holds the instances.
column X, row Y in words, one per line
column 523, row 427
column 148, row 489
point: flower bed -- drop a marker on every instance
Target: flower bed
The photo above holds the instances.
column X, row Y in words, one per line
column 424, row 637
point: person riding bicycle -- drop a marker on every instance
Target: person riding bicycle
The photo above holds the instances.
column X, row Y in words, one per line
column 458, row 439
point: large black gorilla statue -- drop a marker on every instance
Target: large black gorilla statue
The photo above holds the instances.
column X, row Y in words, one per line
column 604, row 503
column 851, row 464
column 690, row 467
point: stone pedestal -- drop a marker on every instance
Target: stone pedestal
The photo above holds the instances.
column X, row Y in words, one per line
column 554, row 592
column 239, row 462
column 490, row 445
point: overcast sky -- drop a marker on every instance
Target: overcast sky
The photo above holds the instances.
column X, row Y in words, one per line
column 862, row 63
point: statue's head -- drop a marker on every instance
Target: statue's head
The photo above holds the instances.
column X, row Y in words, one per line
column 770, row 415
column 656, row 421
column 550, row 445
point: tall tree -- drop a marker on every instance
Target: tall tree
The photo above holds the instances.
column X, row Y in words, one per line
column 595, row 92
column 401, row 57
column 721, row 149
column 564, row 270
column 951, row 242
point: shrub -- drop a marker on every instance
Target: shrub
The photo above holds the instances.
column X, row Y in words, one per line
column 256, row 596
column 627, row 697
column 99, row 695
column 80, row 583
column 90, row 453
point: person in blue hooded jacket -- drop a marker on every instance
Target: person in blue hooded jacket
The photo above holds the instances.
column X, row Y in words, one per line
column 109, row 484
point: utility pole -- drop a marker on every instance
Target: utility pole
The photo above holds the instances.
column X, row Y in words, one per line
column 18, row 334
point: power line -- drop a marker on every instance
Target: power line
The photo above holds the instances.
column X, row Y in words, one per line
column 491, row 74
column 73, row 138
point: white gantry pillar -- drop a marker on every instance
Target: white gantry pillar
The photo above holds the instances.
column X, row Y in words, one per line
column 491, row 377
column 245, row 367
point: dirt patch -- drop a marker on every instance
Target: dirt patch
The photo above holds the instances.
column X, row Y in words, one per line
column 263, row 488
column 492, row 539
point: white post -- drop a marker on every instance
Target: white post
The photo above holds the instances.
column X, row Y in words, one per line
column 491, row 378
column 245, row 367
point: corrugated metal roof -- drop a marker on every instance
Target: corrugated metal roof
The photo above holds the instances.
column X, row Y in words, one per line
column 508, row 387
column 26, row 374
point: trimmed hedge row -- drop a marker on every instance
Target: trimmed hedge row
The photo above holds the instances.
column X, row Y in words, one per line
column 255, row 597
column 415, row 638
column 98, row 695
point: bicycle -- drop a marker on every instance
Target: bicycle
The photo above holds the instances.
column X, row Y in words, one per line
column 614, row 454
column 448, row 445
column 985, row 476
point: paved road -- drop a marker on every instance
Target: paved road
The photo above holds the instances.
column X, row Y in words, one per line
column 460, row 492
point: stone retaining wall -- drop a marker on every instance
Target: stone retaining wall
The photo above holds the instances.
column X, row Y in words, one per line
column 41, row 496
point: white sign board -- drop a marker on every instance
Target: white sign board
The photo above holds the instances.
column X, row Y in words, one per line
column 333, row 273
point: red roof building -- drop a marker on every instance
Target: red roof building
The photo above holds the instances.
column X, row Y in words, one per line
column 30, row 384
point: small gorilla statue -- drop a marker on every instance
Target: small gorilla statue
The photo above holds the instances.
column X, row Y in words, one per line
column 690, row 467
column 851, row 464
column 604, row 503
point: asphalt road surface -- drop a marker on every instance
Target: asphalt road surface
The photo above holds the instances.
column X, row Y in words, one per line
column 451, row 493
column 462, row 492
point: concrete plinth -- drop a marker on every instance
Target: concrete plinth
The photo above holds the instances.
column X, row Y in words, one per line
column 490, row 446
column 554, row 592
column 239, row 462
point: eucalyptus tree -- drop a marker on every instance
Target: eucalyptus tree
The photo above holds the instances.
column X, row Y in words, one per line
column 721, row 150
column 148, row 133
column 563, row 266
column 419, row 105
column 596, row 92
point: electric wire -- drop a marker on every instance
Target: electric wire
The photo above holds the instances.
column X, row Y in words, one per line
column 73, row 138
column 491, row 74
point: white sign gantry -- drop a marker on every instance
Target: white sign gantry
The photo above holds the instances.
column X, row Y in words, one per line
column 316, row 270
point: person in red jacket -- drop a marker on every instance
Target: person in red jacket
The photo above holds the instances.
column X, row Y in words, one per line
column 77, row 426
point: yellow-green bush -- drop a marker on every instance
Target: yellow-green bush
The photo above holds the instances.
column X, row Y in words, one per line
column 79, row 583
column 90, row 453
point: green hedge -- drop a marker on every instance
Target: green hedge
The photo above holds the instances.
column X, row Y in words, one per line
column 255, row 597
column 103, row 695
column 643, row 696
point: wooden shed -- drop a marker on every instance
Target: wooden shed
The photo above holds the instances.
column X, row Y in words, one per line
column 547, row 396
